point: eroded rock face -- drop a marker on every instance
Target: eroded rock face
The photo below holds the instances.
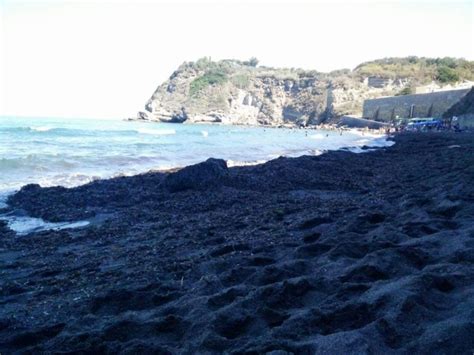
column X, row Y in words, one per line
column 234, row 93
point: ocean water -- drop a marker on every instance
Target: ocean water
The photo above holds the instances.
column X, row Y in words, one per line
column 71, row 152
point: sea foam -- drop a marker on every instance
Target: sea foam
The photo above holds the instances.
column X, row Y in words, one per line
column 316, row 136
column 41, row 128
column 25, row 225
column 157, row 132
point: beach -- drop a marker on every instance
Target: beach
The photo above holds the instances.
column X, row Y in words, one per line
column 340, row 253
column 73, row 152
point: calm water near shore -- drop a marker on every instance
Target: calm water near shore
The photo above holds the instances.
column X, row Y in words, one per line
column 71, row 152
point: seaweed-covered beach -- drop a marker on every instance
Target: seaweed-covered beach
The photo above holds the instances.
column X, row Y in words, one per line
column 339, row 253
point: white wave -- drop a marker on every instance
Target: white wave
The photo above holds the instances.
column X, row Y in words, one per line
column 157, row 132
column 316, row 152
column 24, row 225
column 68, row 180
column 370, row 134
column 370, row 144
column 205, row 133
column 41, row 128
column 231, row 163
column 316, row 136
column 363, row 141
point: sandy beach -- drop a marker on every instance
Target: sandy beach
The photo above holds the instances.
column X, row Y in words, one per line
column 340, row 253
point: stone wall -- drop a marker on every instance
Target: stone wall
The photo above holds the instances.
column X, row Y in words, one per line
column 376, row 82
column 408, row 106
column 357, row 122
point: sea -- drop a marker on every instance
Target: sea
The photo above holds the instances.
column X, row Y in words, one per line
column 71, row 152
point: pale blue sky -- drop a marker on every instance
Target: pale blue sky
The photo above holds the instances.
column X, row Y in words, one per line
column 105, row 58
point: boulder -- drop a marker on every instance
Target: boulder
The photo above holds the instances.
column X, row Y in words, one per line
column 201, row 176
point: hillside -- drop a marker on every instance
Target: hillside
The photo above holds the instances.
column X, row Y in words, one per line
column 241, row 92
column 419, row 70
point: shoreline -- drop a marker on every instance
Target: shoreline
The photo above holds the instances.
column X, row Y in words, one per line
column 374, row 135
column 322, row 126
column 336, row 253
column 19, row 224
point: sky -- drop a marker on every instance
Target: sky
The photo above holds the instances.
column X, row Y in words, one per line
column 104, row 59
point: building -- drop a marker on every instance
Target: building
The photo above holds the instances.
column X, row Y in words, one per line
column 377, row 82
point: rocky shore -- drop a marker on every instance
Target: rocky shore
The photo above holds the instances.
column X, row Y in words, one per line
column 341, row 253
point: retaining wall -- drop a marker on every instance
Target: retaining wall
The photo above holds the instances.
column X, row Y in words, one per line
column 408, row 106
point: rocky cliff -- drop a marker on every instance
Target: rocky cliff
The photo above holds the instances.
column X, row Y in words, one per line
column 237, row 92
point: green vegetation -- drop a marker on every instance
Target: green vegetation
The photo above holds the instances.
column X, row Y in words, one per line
column 211, row 77
column 241, row 81
column 413, row 71
column 206, row 64
column 421, row 70
column 203, row 63
column 252, row 62
column 447, row 75
column 405, row 91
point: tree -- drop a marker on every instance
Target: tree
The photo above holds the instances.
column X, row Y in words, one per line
column 253, row 62
column 446, row 75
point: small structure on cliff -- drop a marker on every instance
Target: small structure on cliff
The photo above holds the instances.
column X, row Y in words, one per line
column 408, row 106
column 378, row 82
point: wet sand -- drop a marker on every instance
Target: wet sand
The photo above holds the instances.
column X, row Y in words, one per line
column 340, row 253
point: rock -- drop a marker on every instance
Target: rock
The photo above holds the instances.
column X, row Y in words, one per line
column 197, row 177
column 253, row 96
column 25, row 195
column 143, row 115
column 179, row 116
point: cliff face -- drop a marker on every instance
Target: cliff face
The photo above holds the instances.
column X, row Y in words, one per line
column 235, row 92
column 232, row 92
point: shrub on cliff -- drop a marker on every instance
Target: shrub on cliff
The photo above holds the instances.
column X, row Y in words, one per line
column 419, row 70
column 211, row 77
column 447, row 75
column 241, row 81
column 252, row 62
column 204, row 63
column 405, row 91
